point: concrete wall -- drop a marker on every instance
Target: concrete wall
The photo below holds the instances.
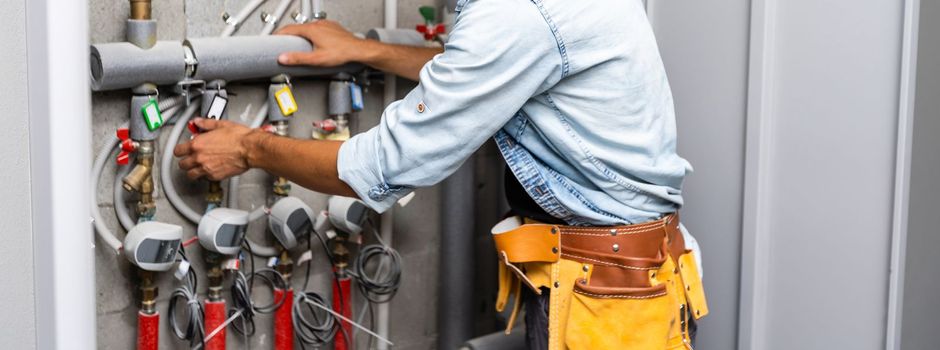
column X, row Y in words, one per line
column 920, row 306
column 17, row 326
column 416, row 225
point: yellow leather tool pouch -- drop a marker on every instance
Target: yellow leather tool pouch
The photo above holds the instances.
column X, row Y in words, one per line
column 619, row 318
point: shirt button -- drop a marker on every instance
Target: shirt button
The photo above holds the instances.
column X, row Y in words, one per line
column 421, row 107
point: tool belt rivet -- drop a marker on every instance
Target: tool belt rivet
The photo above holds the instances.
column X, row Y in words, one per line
column 554, row 250
column 557, row 284
column 585, row 268
column 554, row 230
column 616, row 247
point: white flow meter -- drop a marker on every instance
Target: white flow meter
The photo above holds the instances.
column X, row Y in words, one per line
column 289, row 219
column 347, row 214
column 222, row 230
column 153, row 245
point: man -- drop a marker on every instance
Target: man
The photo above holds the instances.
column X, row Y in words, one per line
column 576, row 97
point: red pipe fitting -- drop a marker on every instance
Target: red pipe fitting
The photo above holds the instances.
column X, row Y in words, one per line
column 148, row 331
column 342, row 304
column 283, row 322
column 215, row 317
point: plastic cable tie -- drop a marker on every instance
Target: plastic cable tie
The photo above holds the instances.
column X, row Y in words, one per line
column 272, row 261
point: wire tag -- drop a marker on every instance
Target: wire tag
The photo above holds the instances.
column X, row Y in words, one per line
column 151, row 114
column 217, row 108
column 181, row 269
column 306, row 256
column 406, row 199
column 272, row 261
column 231, row 264
column 355, row 92
column 285, row 100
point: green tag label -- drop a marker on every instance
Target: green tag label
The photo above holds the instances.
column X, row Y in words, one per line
column 152, row 116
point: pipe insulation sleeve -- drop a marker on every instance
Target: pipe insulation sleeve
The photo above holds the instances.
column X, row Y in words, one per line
column 253, row 57
column 148, row 331
column 123, row 65
column 166, row 166
column 455, row 313
column 120, row 205
column 407, row 37
column 97, row 168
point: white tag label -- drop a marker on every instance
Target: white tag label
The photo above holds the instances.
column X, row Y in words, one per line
column 406, row 199
column 231, row 264
column 217, row 108
column 305, row 257
column 181, row 270
column 272, row 261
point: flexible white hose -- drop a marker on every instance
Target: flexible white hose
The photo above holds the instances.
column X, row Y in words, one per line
column 307, row 10
column 279, row 12
column 236, row 21
column 120, row 207
column 234, row 182
column 166, row 166
column 97, row 168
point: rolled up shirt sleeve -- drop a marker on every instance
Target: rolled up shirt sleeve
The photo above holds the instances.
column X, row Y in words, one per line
column 499, row 55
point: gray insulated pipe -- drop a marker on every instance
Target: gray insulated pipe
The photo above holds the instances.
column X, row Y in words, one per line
column 123, row 65
column 455, row 309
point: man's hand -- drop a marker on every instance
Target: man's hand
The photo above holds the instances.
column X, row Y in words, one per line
column 216, row 153
column 334, row 45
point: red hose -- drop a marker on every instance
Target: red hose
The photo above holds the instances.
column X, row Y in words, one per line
column 342, row 304
column 283, row 323
column 215, row 317
column 148, row 331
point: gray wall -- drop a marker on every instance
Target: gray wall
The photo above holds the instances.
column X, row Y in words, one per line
column 17, row 326
column 792, row 104
column 704, row 46
column 416, row 226
column 921, row 283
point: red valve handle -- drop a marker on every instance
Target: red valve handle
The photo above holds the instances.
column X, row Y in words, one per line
column 124, row 158
column 123, row 134
column 325, row 125
column 430, row 32
column 193, row 129
column 129, row 145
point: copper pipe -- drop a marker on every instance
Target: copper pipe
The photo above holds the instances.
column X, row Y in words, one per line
column 140, row 9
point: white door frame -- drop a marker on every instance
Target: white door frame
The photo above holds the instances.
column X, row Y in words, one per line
column 60, row 158
column 902, row 173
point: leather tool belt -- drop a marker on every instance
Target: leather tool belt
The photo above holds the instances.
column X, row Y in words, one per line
column 617, row 287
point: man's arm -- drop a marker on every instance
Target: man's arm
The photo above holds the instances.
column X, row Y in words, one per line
column 334, row 46
column 227, row 149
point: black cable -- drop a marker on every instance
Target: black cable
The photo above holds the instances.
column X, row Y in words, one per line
column 241, row 295
column 194, row 328
column 312, row 325
column 381, row 286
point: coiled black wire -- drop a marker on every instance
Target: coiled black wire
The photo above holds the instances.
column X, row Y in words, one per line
column 194, row 328
column 382, row 284
column 312, row 325
column 241, row 296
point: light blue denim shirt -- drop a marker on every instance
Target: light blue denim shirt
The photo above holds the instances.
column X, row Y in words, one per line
column 575, row 94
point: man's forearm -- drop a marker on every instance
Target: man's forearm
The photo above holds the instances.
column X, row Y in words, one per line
column 401, row 60
column 309, row 163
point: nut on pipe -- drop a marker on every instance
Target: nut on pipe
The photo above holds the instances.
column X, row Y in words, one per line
column 141, row 9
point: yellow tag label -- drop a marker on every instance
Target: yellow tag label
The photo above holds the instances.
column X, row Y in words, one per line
column 285, row 100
